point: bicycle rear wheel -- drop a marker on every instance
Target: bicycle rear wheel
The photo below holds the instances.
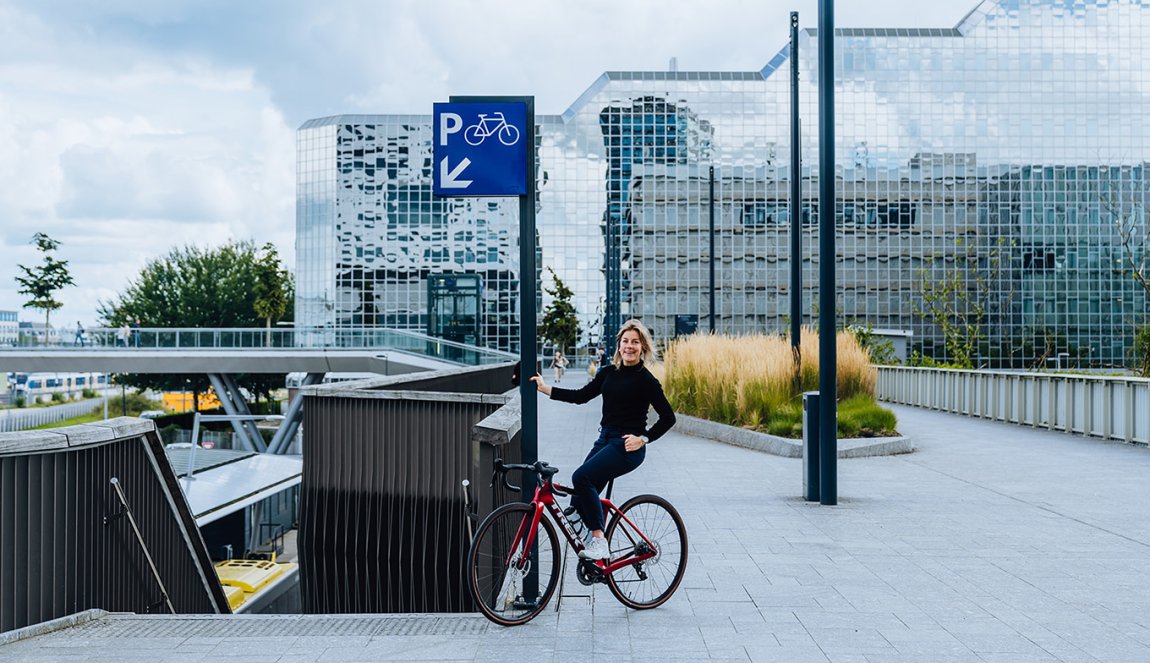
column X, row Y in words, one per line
column 647, row 584
column 510, row 585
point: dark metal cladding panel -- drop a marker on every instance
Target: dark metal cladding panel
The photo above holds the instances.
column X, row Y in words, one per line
column 383, row 522
column 65, row 545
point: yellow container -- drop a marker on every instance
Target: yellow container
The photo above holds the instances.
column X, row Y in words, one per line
column 250, row 575
column 236, row 596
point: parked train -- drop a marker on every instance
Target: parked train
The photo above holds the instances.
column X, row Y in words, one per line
column 39, row 387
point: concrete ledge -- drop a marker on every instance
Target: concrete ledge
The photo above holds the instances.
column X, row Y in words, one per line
column 780, row 446
column 57, row 624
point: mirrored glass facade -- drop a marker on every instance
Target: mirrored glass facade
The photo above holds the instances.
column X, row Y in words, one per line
column 995, row 161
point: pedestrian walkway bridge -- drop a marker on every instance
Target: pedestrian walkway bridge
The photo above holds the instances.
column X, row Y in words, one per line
column 224, row 353
column 232, row 350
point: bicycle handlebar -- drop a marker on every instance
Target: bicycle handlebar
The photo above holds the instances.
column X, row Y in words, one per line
column 540, row 468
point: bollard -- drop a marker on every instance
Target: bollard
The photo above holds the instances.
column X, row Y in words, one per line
column 811, row 446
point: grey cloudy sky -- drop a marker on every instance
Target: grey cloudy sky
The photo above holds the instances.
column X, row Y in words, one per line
column 129, row 127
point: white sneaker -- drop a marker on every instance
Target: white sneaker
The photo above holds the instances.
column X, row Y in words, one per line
column 596, row 549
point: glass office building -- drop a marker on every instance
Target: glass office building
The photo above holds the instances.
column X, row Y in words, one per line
column 985, row 170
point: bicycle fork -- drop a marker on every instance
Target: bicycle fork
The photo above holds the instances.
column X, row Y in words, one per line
column 520, row 588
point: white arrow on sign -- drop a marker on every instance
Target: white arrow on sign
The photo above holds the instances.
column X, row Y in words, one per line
column 447, row 176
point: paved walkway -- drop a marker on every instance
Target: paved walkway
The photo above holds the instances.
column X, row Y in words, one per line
column 991, row 543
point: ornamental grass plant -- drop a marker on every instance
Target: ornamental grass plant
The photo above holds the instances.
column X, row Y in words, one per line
column 749, row 381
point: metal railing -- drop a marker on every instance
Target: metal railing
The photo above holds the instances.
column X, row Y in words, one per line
column 259, row 339
column 1112, row 408
column 23, row 419
column 67, row 542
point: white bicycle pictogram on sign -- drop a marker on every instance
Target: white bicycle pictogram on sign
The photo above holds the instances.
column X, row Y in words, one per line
column 491, row 125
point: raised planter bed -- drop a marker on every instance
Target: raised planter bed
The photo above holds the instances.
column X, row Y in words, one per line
column 781, row 446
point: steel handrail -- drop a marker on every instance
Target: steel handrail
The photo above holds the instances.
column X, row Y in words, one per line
column 143, row 546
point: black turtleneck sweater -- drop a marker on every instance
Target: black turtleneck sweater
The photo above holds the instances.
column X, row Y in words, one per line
column 627, row 393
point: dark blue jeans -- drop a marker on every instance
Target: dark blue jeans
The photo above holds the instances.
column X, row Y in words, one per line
column 608, row 459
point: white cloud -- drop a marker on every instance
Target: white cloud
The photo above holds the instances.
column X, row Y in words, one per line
column 129, row 153
column 130, row 127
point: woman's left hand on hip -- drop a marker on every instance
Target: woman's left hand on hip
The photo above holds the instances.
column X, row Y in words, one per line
column 633, row 442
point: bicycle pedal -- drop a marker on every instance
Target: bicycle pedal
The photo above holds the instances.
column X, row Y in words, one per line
column 588, row 573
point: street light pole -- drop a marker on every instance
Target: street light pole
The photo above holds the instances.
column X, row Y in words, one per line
column 828, row 361
column 712, row 224
column 796, row 207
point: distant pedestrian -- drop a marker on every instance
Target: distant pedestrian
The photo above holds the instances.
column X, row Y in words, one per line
column 79, row 334
column 122, row 335
column 136, row 333
column 559, row 364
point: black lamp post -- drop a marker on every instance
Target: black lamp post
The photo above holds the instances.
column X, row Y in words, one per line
column 712, row 224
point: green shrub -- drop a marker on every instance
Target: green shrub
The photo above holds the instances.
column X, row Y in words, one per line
column 20, row 401
column 861, row 416
column 89, row 393
column 787, row 421
column 1142, row 351
column 133, row 404
column 58, row 397
column 881, row 350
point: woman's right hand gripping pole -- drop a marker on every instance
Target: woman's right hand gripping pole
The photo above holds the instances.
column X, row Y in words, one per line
column 540, row 385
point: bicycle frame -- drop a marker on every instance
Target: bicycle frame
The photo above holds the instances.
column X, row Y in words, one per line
column 489, row 124
column 544, row 500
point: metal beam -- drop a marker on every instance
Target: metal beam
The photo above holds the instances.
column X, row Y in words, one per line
column 225, row 397
column 288, row 427
column 243, row 409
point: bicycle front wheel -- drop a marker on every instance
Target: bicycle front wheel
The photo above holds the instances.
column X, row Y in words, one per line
column 647, row 584
column 511, row 585
column 508, row 135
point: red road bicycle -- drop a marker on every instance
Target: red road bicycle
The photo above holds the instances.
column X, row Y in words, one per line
column 513, row 566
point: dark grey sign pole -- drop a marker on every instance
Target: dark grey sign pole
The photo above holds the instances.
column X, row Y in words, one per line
column 828, row 361
column 796, row 205
column 528, row 291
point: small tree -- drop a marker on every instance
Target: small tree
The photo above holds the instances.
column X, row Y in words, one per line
column 957, row 299
column 272, row 288
column 1124, row 198
column 560, row 324
column 41, row 282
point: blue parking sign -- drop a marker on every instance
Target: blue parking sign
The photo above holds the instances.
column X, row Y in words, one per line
column 480, row 149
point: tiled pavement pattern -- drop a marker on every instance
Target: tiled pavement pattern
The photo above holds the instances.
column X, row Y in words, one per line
column 990, row 543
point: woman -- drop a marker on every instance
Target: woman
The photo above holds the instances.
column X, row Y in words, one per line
column 559, row 363
column 628, row 390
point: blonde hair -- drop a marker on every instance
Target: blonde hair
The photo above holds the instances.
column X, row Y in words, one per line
column 645, row 342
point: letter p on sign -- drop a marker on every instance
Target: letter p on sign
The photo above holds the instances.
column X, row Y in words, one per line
column 449, row 123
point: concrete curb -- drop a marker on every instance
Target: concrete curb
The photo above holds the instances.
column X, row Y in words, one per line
column 781, row 446
column 57, row 624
